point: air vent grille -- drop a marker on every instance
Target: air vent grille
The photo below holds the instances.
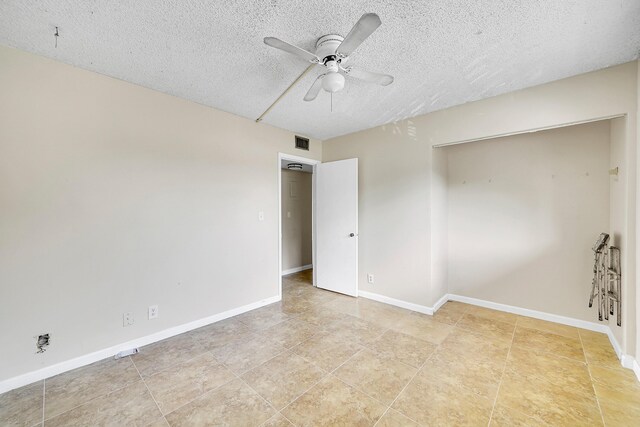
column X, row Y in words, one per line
column 302, row 143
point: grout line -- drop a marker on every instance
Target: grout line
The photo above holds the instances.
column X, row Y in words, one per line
column 407, row 385
column 592, row 386
column 148, row 390
column 208, row 391
column 96, row 397
column 504, row 369
column 210, row 352
column 328, row 373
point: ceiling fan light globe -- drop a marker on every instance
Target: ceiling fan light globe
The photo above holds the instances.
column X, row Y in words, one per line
column 333, row 82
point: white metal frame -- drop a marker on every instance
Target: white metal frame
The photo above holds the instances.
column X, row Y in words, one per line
column 312, row 163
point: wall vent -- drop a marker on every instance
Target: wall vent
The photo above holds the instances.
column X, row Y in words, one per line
column 302, row 143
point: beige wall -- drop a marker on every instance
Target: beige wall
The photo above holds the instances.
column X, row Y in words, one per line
column 296, row 219
column 620, row 236
column 523, row 213
column 114, row 197
column 393, row 209
column 400, row 188
column 637, row 160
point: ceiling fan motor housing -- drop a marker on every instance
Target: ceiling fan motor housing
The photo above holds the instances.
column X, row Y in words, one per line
column 326, row 48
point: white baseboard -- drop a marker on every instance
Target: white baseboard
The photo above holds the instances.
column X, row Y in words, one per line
column 398, row 303
column 592, row 326
column 297, row 269
column 440, row 302
column 626, row 360
column 67, row 365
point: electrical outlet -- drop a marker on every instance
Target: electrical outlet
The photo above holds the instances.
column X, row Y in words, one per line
column 153, row 312
column 370, row 278
column 127, row 319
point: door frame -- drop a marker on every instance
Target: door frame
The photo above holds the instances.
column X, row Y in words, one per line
column 312, row 163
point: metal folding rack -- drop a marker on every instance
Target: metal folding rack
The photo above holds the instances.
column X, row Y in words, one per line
column 607, row 284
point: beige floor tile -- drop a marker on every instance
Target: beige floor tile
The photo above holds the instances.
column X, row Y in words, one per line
column 507, row 417
column 564, row 372
column 374, row 348
column 163, row 354
column 278, row 420
column 220, row 333
column 283, row 378
column 321, row 317
column 463, row 345
column 73, row 388
column 554, row 328
column 245, row 355
column 551, row 403
column 334, row 403
column 629, row 397
column 546, row 342
column 184, row 382
column 395, row 419
column 490, row 314
column 380, row 377
column 233, row 404
column 494, row 329
column 263, row 318
column 328, row 351
column 617, row 379
column 406, row 348
column 450, row 313
column 132, row 405
column 295, row 306
column 22, row 406
column 423, row 327
column 619, row 407
column 381, row 314
column 478, row 375
column 432, row 403
column 593, row 336
column 599, row 351
column 160, row 422
column 356, row 330
column 291, row 332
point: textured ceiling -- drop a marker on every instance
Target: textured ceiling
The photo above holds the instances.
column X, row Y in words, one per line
column 442, row 53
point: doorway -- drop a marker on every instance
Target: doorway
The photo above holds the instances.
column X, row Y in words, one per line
column 296, row 205
column 334, row 222
column 296, row 221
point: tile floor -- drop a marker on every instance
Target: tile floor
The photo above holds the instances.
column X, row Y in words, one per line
column 319, row 358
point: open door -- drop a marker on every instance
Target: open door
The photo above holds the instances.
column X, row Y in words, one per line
column 336, row 225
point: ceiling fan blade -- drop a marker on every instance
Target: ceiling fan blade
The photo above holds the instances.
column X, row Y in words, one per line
column 365, row 26
column 313, row 91
column 287, row 47
column 368, row 76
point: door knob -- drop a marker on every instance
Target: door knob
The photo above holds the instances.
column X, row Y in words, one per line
column 352, row 235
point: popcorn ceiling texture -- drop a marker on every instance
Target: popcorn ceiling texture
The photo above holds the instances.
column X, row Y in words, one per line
column 441, row 52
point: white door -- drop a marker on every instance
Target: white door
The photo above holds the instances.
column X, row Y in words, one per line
column 336, row 266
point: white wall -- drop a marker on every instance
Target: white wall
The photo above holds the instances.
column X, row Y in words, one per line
column 296, row 219
column 523, row 213
column 114, row 197
column 399, row 225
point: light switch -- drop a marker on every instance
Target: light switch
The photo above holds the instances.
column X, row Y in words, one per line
column 261, row 216
column 288, row 214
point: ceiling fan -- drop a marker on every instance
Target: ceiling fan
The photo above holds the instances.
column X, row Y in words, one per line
column 332, row 52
